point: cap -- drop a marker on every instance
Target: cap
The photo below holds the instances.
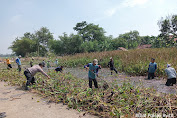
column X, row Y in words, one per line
column 168, row 65
column 95, row 61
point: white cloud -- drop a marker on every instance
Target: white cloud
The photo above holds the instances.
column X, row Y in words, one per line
column 111, row 12
column 133, row 3
column 16, row 18
column 126, row 3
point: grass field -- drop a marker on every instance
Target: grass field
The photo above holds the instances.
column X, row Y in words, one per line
column 134, row 62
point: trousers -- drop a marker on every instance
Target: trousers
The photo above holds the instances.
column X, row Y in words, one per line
column 29, row 77
column 95, row 82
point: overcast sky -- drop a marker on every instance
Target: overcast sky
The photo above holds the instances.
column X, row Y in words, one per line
column 115, row 16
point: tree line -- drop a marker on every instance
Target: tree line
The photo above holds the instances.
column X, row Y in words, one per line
column 91, row 38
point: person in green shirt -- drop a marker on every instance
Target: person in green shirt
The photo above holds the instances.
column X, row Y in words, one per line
column 48, row 64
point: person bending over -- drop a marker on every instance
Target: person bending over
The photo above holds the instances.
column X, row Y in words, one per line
column 30, row 73
column 171, row 73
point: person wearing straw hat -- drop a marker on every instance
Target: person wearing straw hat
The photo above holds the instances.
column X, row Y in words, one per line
column 111, row 65
column 93, row 72
column 19, row 63
column 171, row 73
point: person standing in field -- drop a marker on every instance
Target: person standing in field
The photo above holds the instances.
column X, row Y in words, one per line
column 43, row 62
column 8, row 63
column 93, row 72
column 30, row 73
column 18, row 61
column 56, row 62
column 171, row 75
column 111, row 65
column 31, row 62
column 48, row 64
column 152, row 69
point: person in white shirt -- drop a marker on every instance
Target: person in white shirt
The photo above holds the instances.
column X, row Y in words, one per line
column 171, row 73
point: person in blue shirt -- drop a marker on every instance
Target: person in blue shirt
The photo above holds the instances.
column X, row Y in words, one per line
column 18, row 63
column 93, row 72
column 152, row 69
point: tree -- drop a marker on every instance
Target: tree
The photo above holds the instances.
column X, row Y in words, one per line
column 42, row 38
column 90, row 46
column 168, row 26
column 67, row 44
column 90, row 32
column 131, row 38
column 22, row 46
column 56, row 46
column 119, row 42
column 146, row 40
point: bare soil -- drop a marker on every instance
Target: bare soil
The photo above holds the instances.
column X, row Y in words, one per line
column 17, row 103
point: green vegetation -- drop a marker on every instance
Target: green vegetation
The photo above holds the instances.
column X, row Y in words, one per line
column 109, row 100
column 168, row 26
column 134, row 62
column 36, row 44
column 92, row 38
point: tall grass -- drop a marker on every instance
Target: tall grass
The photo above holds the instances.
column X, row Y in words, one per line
column 134, row 62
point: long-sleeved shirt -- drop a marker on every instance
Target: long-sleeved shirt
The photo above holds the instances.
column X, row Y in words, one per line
column 171, row 73
column 152, row 67
column 58, row 69
column 7, row 61
column 93, row 70
column 18, row 61
column 56, row 62
column 111, row 64
column 36, row 68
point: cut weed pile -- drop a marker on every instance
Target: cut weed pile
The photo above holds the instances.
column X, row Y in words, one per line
column 110, row 100
column 133, row 62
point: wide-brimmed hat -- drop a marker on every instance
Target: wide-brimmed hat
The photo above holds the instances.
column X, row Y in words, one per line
column 95, row 61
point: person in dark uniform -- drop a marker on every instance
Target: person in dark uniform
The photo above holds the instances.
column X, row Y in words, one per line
column 111, row 65
column 59, row 69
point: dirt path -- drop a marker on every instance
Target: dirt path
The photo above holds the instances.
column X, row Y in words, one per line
column 157, row 83
column 17, row 103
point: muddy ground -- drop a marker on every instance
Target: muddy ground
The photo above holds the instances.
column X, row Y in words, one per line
column 157, row 83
